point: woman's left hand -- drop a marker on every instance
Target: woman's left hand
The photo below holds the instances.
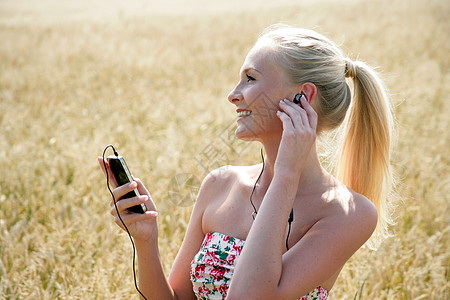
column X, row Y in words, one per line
column 299, row 134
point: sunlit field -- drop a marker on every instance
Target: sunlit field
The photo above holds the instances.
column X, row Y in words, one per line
column 152, row 80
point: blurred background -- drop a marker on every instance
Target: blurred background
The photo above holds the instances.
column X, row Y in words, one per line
column 151, row 78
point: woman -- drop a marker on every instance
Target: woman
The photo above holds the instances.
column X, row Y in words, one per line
column 299, row 223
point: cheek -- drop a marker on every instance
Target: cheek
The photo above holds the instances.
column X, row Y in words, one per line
column 263, row 99
column 252, row 94
column 263, row 95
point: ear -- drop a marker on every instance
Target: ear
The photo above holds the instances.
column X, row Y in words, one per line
column 309, row 89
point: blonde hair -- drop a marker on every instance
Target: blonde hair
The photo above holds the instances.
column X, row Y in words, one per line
column 367, row 118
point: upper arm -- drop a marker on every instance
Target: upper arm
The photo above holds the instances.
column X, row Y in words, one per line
column 180, row 274
column 324, row 249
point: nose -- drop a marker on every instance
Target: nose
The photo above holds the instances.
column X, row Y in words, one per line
column 235, row 96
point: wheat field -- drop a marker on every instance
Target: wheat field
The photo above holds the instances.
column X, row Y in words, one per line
column 152, row 79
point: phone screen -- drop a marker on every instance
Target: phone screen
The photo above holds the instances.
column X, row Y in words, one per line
column 119, row 173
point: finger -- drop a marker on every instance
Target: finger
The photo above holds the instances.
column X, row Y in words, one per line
column 101, row 162
column 124, row 204
column 143, row 191
column 295, row 112
column 312, row 115
column 111, row 179
column 285, row 120
column 141, row 188
column 129, row 219
column 122, row 190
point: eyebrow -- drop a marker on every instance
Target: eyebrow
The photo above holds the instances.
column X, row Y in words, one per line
column 250, row 68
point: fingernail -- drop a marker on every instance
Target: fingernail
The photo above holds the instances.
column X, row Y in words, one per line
column 153, row 213
column 286, row 100
column 132, row 184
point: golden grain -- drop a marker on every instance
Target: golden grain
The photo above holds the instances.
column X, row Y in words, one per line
column 152, row 79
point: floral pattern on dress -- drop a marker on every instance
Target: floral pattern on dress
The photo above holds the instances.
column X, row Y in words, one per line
column 213, row 267
column 319, row 293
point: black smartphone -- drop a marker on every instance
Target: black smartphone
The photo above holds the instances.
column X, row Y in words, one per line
column 123, row 176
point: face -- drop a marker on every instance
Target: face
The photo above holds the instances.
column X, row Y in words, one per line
column 261, row 86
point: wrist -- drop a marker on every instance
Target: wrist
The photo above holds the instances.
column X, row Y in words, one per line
column 146, row 242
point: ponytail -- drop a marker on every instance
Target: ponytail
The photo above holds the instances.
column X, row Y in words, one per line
column 368, row 127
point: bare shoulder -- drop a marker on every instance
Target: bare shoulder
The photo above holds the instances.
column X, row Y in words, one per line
column 355, row 214
column 364, row 208
column 222, row 200
column 343, row 221
column 228, row 175
column 220, row 177
column 221, row 180
column 364, row 213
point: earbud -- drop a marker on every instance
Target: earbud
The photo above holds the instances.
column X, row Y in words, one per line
column 298, row 96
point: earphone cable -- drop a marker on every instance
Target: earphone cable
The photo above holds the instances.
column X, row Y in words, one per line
column 120, row 218
column 254, row 187
column 255, row 212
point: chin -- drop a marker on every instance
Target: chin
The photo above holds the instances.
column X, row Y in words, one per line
column 245, row 135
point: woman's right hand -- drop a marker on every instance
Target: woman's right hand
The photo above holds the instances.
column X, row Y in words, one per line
column 142, row 227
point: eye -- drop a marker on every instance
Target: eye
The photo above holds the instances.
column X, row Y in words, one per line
column 249, row 78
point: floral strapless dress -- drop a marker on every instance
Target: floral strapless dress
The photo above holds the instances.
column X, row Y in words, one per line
column 213, row 267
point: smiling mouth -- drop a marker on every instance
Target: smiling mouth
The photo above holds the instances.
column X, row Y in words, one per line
column 244, row 113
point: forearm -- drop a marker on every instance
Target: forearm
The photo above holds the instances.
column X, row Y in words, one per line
column 260, row 264
column 153, row 282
